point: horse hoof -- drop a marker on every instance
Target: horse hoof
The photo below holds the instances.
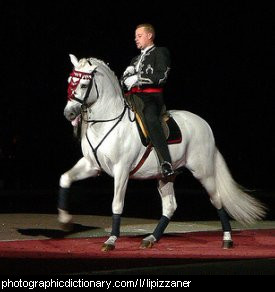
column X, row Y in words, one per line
column 227, row 244
column 107, row 247
column 67, row 227
column 146, row 244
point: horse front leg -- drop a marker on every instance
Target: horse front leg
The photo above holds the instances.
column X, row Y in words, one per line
column 82, row 169
column 169, row 205
column 120, row 184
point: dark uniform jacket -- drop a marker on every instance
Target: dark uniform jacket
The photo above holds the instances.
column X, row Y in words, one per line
column 154, row 67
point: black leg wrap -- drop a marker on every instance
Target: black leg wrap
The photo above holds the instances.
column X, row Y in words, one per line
column 224, row 219
column 63, row 199
column 163, row 222
column 116, row 225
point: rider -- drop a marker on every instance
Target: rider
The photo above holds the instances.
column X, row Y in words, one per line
column 145, row 77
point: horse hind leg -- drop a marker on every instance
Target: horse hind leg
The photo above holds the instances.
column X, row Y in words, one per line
column 209, row 184
column 169, row 205
column 81, row 170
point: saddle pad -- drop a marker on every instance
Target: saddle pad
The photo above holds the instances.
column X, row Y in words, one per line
column 174, row 137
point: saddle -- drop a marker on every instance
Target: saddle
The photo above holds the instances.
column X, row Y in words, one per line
column 170, row 127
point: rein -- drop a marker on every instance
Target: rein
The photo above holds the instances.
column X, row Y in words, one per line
column 103, row 121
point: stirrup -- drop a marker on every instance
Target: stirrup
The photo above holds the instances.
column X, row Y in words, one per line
column 166, row 169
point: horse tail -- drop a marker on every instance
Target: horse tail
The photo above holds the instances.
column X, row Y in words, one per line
column 239, row 205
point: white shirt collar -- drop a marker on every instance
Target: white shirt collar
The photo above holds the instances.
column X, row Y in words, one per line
column 146, row 49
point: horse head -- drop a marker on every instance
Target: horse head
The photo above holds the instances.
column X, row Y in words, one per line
column 81, row 93
column 93, row 85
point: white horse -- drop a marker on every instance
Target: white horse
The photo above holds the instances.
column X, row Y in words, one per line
column 110, row 142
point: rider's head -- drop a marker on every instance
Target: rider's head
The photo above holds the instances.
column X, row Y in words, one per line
column 144, row 35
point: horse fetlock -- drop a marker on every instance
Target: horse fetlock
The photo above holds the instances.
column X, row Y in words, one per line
column 150, row 238
column 109, row 244
column 111, row 240
column 64, row 217
column 227, row 240
column 227, row 235
column 148, row 242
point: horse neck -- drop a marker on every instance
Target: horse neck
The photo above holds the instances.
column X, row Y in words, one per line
column 110, row 102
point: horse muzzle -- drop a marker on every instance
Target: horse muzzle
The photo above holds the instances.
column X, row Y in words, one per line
column 73, row 115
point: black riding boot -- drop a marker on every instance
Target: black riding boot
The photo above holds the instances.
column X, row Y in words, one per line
column 152, row 110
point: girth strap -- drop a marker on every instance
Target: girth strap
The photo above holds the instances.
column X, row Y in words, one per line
column 144, row 157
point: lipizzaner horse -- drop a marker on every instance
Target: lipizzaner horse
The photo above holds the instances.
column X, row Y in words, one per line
column 110, row 142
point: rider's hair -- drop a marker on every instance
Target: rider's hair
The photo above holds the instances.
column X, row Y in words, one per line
column 149, row 28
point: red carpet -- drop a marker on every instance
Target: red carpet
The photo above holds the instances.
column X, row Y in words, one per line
column 195, row 245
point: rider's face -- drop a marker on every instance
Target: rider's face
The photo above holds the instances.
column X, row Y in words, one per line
column 143, row 38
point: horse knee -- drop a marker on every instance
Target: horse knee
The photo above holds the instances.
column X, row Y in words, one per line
column 65, row 181
column 169, row 209
column 117, row 207
column 169, row 204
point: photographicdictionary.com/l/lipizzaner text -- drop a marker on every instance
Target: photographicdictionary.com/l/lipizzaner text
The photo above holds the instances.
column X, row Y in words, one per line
column 107, row 284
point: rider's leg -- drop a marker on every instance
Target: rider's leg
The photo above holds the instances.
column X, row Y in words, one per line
column 152, row 109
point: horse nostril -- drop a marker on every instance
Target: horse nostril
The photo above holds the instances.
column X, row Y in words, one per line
column 69, row 115
column 72, row 116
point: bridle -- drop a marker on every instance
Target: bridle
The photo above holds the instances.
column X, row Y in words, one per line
column 73, row 85
column 84, row 106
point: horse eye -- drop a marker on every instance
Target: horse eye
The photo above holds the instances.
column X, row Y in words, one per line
column 83, row 86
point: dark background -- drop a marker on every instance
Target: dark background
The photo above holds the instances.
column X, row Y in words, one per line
column 222, row 69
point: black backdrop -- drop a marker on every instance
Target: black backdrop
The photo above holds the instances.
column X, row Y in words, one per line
column 222, row 69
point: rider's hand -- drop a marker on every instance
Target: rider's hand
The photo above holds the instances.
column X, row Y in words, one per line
column 131, row 81
column 130, row 70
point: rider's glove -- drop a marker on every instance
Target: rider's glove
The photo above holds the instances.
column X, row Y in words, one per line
column 131, row 81
column 130, row 70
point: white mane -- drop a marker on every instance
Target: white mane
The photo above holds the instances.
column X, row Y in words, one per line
column 111, row 96
column 107, row 71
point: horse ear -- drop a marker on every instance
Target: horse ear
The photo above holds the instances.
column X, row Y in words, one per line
column 93, row 68
column 73, row 60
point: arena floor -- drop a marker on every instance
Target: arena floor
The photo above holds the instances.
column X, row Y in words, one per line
column 188, row 247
